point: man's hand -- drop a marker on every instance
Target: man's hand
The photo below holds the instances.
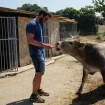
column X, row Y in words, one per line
column 30, row 39
column 48, row 46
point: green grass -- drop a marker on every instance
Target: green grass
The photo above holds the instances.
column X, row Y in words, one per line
column 103, row 34
column 100, row 35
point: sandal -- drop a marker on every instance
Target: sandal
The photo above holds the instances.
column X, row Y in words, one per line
column 42, row 93
column 36, row 98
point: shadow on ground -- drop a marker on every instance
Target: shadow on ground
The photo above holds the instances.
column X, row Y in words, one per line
column 21, row 102
column 91, row 97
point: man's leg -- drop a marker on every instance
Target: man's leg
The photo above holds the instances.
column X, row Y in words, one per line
column 37, row 82
column 39, row 90
column 39, row 87
column 35, row 96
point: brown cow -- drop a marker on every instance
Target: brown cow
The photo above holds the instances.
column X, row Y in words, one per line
column 90, row 55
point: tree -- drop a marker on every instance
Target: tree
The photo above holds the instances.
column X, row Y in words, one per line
column 60, row 12
column 30, row 7
column 87, row 21
column 69, row 12
column 99, row 6
column 85, row 17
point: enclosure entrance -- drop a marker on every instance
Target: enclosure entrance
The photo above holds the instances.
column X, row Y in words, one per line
column 8, row 44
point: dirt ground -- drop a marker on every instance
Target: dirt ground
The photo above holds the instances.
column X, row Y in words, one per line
column 62, row 79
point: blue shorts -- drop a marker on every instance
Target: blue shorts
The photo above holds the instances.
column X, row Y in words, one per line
column 38, row 62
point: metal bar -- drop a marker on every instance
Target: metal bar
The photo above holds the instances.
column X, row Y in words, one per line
column 13, row 44
column 45, row 38
column 5, row 29
column 14, row 47
column 12, row 51
column 6, row 17
column 9, row 39
column 50, row 39
column 3, row 45
column 1, row 48
column 16, row 59
column 9, row 42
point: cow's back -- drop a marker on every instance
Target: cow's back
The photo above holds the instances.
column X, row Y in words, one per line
column 94, row 55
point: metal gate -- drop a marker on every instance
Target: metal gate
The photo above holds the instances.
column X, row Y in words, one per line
column 46, row 38
column 8, row 44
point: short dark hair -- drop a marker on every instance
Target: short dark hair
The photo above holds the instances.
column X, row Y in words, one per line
column 45, row 13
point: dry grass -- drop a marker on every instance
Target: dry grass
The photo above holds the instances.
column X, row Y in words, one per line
column 101, row 28
column 100, row 37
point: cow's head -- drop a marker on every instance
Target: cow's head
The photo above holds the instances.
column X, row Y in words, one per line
column 70, row 46
column 66, row 46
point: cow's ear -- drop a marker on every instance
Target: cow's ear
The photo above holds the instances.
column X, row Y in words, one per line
column 76, row 37
column 76, row 42
column 81, row 46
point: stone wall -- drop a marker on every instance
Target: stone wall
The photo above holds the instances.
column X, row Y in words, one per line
column 23, row 46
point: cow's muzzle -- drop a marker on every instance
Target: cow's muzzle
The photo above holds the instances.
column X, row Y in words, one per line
column 57, row 48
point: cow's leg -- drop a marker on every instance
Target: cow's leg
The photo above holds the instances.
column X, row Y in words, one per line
column 85, row 74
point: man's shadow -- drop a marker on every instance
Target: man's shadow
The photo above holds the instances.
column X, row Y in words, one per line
column 21, row 102
column 91, row 97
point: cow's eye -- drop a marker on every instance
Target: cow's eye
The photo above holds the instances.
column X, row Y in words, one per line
column 71, row 43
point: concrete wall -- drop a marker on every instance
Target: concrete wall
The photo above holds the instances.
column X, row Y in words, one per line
column 23, row 46
column 53, row 32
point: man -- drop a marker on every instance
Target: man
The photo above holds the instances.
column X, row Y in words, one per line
column 37, row 53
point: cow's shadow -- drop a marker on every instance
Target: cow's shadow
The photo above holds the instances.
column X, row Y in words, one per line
column 21, row 102
column 91, row 97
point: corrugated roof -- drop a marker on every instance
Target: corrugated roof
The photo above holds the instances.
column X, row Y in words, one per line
column 8, row 10
column 63, row 19
column 18, row 12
